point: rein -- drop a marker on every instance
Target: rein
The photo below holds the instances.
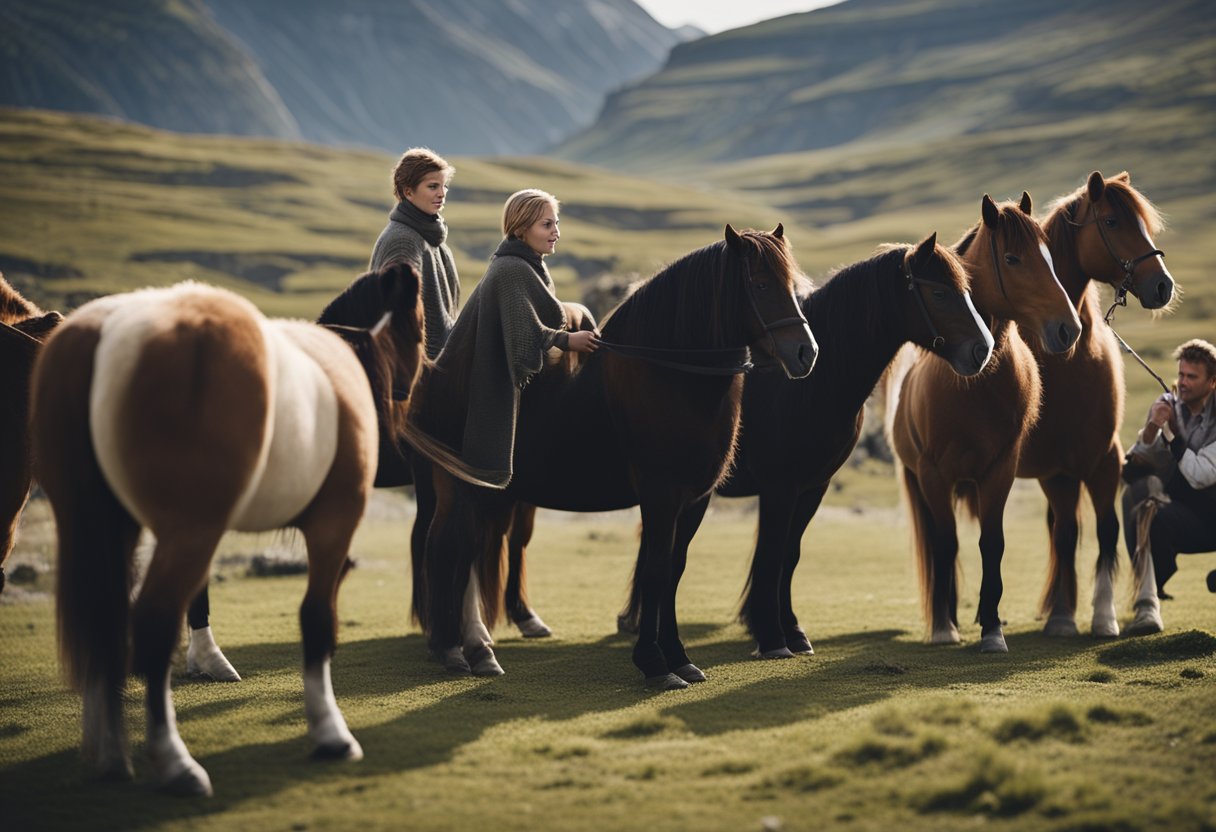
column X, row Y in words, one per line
column 1128, row 267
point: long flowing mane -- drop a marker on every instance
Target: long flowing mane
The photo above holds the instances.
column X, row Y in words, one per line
column 1129, row 205
column 674, row 306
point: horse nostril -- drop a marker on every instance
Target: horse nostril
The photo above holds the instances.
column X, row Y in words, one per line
column 1067, row 335
column 979, row 352
column 1164, row 290
column 806, row 354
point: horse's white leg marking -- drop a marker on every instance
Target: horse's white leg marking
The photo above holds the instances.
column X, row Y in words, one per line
column 1105, row 623
column 478, row 645
column 204, row 657
column 326, row 725
column 533, row 627
column 173, row 769
column 105, row 737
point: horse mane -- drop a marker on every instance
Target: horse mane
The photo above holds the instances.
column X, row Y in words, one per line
column 858, row 287
column 1128, row 204
column 361, row 306
column 14, row 307
column 683, row 304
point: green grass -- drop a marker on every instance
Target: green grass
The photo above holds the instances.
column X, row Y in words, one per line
column 875, row 731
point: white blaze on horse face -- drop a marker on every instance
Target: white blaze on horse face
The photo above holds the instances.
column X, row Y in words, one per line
column 303, row 435
column 1051, row 265
column 981, row 326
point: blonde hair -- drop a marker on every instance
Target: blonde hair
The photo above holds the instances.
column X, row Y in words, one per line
column 413, row 165
column 524, row 208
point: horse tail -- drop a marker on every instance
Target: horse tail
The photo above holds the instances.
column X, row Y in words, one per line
column 967, row 496
column 922, row 541
column 1142, row 556
column 1061, row 587
column 629, row 620
column 96, row 536
column 745, row 607
column 491, row 567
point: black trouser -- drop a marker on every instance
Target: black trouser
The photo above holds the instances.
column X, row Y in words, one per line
column 1186, row 525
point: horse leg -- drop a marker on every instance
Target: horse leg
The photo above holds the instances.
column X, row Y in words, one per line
column 523, row 523
column 328, row 546
column 451, row 538
column 669, row 630
column 660, row 514
column 177, row 571
column 993, row 494
column 795, row 637
column 761, row 607
column 1102, row 485
column 203, row 655
column 1059, row 602
column 935, row 538
column 425, row 500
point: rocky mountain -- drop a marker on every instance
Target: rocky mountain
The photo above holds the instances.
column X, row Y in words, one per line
column 473, row 77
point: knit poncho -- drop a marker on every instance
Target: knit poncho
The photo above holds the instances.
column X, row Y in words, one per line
column 499, row 343
column 419, row 238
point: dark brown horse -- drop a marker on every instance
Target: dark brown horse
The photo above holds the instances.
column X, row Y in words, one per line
column 1101, row 232
column 961, row 438
column 650, row 424
column 186, row 412
column 23, row 328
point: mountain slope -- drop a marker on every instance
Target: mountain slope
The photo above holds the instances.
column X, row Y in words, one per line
column 159, row 62
column 895, row 71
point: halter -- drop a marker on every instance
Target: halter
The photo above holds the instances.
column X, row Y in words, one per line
column 1128, row 267
column 913, row 283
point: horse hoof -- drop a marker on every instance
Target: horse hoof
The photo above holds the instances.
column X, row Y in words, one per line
column 204, row 659
column 1060, row 627
column 1107, row 628
column 668, row 681
column 191, row 781
column 484, row 663
column 800, row 646
column 345, row 750
column 1148, row 621
column 533, row 627
column 690, row 673
column 453, row 661
column 945, row 636
column 776, row 653
column 994, row 643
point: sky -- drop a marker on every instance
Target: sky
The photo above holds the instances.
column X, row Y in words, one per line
column 716, row 15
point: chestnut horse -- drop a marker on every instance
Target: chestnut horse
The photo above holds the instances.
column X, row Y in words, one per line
column 23, row 328
column 1101, row 232
column 961, row 438
column 650, row 425
column 186, row 412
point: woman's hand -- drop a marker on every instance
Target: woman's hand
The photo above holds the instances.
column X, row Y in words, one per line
column 584, row 341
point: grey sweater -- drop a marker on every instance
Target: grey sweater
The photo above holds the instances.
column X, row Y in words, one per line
column 420, row 239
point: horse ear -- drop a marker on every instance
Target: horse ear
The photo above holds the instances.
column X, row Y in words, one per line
column 41, row 327
column 1025, row 203
column 733, row 240
column 1096, row 186
column 1124, row 177
column 924, row 249
column 779, row 231
column 989, row 211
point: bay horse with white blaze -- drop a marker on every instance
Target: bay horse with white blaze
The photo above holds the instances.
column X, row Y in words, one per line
column 960, row 439
column 1100, row 233
column 649, row 424
column 23, row 328
column 186, row 412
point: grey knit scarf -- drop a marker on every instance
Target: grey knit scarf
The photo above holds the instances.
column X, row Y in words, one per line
column 431, row 226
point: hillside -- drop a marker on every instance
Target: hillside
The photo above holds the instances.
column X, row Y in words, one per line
column 900, row 72
column 159, row 62
column 480, row 76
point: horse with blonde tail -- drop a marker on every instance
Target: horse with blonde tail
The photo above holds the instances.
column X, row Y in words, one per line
column 186, row 412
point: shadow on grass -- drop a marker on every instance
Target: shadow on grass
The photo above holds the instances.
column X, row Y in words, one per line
column 546, row 680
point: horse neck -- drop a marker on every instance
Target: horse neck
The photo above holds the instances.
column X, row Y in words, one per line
column 1062, row 242
column 857, row 317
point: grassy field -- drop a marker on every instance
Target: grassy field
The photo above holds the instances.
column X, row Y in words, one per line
column 876, row 731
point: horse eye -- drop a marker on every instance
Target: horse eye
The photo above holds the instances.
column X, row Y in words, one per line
column 1110, row 222
column 939, row 293
column 1012, row 259
column 762, row 286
